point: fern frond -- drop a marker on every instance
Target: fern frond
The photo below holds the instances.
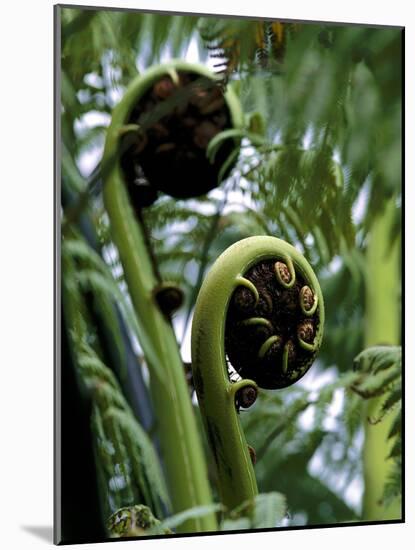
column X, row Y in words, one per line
column 116, row 428
column 379, row 370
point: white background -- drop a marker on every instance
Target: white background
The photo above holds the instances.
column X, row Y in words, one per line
column 26, row 301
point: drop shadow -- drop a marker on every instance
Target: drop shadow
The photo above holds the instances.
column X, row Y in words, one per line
column 43, row 532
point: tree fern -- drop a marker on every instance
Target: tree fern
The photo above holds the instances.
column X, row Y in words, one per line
column 321, row 137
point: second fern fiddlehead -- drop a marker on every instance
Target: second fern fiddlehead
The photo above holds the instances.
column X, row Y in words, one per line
column 261, row 308
column 154, row 301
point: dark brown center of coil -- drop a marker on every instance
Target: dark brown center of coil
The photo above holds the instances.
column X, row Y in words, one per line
column 177, row 120
column 246, row 396
column 282, row 318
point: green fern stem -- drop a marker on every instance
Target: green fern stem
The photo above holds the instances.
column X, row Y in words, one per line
column 186, row 469
column 382, row 328
column 219, row 397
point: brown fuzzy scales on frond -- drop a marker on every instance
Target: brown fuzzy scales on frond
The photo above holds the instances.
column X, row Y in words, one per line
column 275, row 325
column 176, row 123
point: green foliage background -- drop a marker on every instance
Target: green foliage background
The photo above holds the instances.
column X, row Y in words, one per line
column 320, row 164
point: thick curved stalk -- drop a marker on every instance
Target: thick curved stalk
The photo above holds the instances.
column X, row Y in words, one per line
column 219, row 398
column 186, row 469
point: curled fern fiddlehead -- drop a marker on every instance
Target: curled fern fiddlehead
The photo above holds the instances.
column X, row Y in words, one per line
column 173, row 113
column 273, row 333
column 261, row 308
column 140, row 149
